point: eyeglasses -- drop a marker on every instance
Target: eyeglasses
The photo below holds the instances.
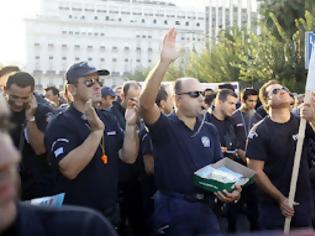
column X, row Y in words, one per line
column 275, row 91
column 193, row 94
column 91, row 82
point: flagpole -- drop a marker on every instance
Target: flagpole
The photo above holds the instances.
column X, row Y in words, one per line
column 310, row 87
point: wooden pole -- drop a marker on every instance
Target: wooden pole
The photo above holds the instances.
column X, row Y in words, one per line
column 309, row 88
column 296, row 165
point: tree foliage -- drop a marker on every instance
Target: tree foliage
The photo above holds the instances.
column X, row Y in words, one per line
column 239, row 55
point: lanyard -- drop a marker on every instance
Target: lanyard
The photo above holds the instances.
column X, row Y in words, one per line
column 104, row 157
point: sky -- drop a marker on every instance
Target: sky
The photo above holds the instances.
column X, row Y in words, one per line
column 12, row 49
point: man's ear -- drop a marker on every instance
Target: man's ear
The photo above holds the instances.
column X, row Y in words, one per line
column 72, row 89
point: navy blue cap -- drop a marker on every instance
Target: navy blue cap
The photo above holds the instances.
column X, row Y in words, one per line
column 82, row 69
column 107, row 91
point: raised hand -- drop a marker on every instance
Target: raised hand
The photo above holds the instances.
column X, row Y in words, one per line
column 132, row 111
column 169, row 51
column 95, row 122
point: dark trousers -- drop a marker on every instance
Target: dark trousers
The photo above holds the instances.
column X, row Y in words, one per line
column 176, row 216
column 131, row 210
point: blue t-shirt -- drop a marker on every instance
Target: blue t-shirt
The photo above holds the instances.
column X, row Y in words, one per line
column 275, row 144
column 180, row 151
column 96, row 184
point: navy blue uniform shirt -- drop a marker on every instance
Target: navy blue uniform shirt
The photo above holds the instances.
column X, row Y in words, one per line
column 275, row 144
column 180, row 151
column 96, row 184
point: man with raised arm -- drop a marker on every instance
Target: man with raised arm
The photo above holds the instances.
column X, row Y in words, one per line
column 182, row 144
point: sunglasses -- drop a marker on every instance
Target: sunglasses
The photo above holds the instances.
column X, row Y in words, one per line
column 91, row 82
column 275, row 91
column 193, row 94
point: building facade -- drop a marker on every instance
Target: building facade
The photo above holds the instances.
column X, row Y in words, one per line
column 224, row 14
column 121, row 36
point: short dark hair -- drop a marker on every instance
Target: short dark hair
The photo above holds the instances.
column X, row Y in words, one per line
column 21, row 79
column 162, row 95
column 209, row 98
column 53, row 89
column 227, row 86
column 178, row 86
column 246, row 92
column 222, row 94
column 128, row 84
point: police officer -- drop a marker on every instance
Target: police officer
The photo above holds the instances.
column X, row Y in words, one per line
column 271, row 150
column 182, row 143
column 30, row 119
column 21, row 219
column 85, row 144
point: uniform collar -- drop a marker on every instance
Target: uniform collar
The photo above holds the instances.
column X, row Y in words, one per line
column 175, row 118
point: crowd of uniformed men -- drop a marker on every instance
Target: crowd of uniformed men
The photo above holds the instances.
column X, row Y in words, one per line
column 130, row 154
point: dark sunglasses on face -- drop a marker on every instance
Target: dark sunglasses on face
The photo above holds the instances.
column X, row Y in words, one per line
column 193, row 94
column 275, row 91
column 91, row 82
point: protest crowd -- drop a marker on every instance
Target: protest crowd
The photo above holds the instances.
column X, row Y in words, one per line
column 125, row 157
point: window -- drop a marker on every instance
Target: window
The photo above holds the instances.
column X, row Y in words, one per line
column 36, row 44
column 70, row 16
column 102, row 59
column 154, row 21
column 64, row 58
column 150, row 49
column 149, row 61
column 77, row 46
column 70, row 32
column 107, row 18
column 90, row 47
column 102, row 47
column 143, row 36
column 177, row 22
column 114, row 60
column 187, row 23
column 51, row 58
column 90, row 59
column 64, row 45
column 95, row 34
column 119, row 19
column 50, row 45
column 102, row 34
column 95, row 18
column 82, row 17
column 37, row 57
column 77, row 58
column 142, row 21
column 77, row 33
column 138, row 49
column 138, row 36
column 126, row 60
column 126, row 48
column 165, row 22
column 138, row 60
column 149, row 36
column 64, row 32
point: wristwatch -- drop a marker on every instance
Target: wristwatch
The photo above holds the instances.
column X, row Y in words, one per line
column 32, row 119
